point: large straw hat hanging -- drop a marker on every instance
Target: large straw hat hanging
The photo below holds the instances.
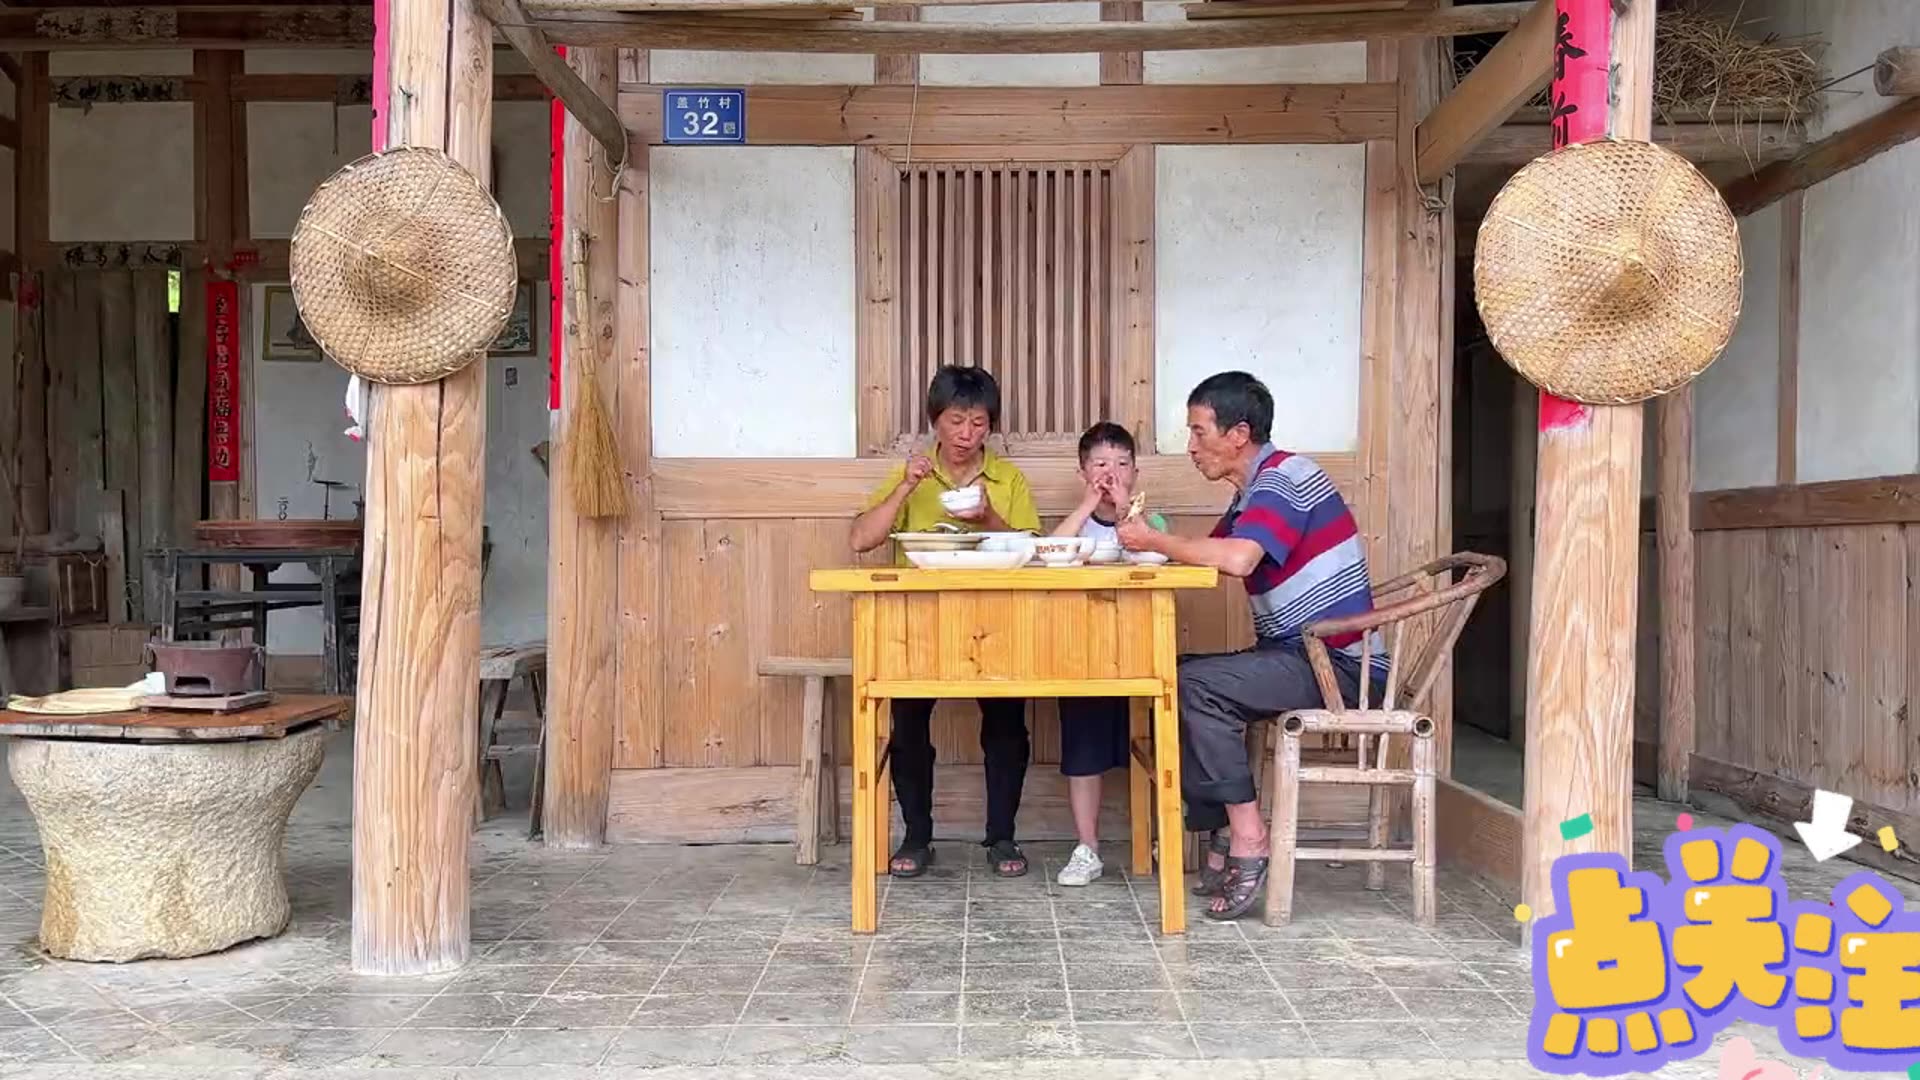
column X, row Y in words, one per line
column 1608, row 272
column 403, row 266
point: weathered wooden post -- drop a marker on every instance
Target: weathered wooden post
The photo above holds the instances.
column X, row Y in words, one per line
column 414, row 735
column 1579, row 752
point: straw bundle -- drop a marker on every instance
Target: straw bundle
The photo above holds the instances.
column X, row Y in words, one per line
column 593, row 456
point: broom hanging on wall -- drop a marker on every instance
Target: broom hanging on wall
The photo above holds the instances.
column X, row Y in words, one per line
column 594, row 476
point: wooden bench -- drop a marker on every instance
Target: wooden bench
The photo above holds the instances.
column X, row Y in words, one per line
column 816, row 800
column 499, row 666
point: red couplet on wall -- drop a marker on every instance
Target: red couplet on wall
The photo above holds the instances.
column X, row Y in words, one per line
column 556, row 243
column 223, row 381
column 1582, row 47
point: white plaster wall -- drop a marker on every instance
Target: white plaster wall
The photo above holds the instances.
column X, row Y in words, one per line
column 1736, row 400
column 298, row 409
column 291, row 147
column 752, row 301
column 121, row 172
column 1057, row 69
column 308, row 61
column 1860, row 323
column 686, row 67
column 1343, row 62
column 1257, row 268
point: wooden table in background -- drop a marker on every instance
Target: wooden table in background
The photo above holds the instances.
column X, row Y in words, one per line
column 1090, row 631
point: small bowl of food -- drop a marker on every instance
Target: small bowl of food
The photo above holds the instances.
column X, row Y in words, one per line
column 1104, row 553
column 962, row 500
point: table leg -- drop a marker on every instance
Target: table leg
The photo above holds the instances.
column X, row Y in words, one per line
column 883, row 787
column 1139, row 787
column 1166, row 753
column 866, row 777
column 330, row 625
column 260, row 575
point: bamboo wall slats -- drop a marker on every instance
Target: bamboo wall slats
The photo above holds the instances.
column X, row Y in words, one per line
column 1008, row 267
column 1809, row 656
column 735, row 591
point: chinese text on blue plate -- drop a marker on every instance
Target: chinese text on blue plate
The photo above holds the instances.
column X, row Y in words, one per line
column 705, row 116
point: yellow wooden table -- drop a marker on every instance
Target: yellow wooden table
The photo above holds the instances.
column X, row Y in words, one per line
column 1035, row 632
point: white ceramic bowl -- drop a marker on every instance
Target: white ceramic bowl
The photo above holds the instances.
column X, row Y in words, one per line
column 1145, row 558
column 1104, row 554
column 1061, row 558
column 1048, row 547
column 961, row 500
column 937, row 541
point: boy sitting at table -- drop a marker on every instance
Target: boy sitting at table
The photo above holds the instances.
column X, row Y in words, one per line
column 963, row 405
column 1093, row 731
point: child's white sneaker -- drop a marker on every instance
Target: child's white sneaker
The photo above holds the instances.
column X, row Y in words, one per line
column 1084, row 867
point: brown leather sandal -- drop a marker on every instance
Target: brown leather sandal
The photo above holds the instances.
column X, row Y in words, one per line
column 1211, row 877
column 1245, row 884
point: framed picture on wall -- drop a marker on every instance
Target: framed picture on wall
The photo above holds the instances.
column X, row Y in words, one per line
column 521, row 336
column 284, row 335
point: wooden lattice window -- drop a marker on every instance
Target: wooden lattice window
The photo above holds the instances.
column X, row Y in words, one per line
column 1009, row 266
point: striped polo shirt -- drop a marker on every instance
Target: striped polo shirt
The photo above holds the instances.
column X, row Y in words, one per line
column 1314, row 566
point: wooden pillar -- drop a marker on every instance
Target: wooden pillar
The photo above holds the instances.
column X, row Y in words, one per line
column 1579, row 757
column 583, row 562
column 415, row 734
column 1526, row 448
column 1674, row 533
column 30, row 222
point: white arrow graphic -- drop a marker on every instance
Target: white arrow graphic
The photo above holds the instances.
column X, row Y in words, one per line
column 1826, row 835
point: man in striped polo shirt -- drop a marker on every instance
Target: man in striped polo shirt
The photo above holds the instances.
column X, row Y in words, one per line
column 1290, row 537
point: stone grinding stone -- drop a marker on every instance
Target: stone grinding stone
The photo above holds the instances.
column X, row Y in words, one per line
column 169, row 850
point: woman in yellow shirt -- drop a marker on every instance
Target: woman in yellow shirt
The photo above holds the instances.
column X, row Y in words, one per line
column 963, row 404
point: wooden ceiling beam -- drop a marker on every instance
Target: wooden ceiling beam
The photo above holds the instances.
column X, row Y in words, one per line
column 314, row 26
column 1517, row 144
column 1243, row 9
column 658, row 31
column 1517, row 68
column 587, row 107
column 1825, row 159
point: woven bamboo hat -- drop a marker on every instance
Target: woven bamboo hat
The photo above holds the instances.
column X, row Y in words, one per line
column 403, row 267
column 1608, row 272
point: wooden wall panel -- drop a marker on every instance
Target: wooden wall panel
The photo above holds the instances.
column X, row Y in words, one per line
column 1807, row 657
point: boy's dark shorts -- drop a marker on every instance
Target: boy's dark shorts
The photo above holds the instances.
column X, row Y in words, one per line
column 1093, row 735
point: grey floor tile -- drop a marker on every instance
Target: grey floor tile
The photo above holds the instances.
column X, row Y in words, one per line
column 1125, row 1006
column 795, row 1044
column 1136, row 1040
column 692, row 976
column 1506, row 978
column 568, row 1046
column 1478, row 1039
column 1371, row 1039
column 1253, row 1041
column 35, row 1045
column 350, row 1011
column 605, row 953
column 1446, row 974
column 1098, row 976
column 769, row 1009
column 472, row 1011
column 1235, row 1006
column 430, row 1047
column 506, row 979
column 1324, row 976
column 534, row 953
column 1014, row 1006
column 1401, row 948
column 607, row 979
column 1455, row 1005
column 1249, row 977
column 1341, row 1005
column 790, row 978
column 892, row 1007
column 885, row 975
column 688, row 1010
column 310, row 1046
column 1008, row 1042
column 580, row 1011
column 661, row 1047
column 895, row 1045
column 830, row 952
column 1027, row 977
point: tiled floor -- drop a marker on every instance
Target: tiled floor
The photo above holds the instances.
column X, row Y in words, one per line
column 734, row 958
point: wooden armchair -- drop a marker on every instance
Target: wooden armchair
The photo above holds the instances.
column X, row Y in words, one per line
column 1431, row 605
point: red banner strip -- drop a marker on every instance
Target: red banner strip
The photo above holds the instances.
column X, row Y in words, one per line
column 1582, row 51
column 223, row 381
column 556, row 244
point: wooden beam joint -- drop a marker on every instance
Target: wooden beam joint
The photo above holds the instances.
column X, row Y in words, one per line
column 593, row 113
column 1517, row 68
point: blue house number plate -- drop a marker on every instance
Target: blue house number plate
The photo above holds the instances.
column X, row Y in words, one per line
column 705, row 116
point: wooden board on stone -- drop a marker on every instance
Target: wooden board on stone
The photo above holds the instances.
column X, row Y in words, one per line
column 219, row 703
column 274, row 721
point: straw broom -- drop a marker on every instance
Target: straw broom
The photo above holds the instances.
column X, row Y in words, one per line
column 594, row 475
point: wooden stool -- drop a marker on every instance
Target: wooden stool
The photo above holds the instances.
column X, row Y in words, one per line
column 816, row 797
column 1438, row 610
column 499, row 666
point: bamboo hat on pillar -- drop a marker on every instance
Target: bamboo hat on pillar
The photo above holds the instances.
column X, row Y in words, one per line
column 403, row 266
column 1608, row 272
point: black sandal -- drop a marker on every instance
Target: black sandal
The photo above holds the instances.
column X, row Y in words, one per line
column 1210, row 876
column 917, row 857
column 1244, row 885
column 1007, row 853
